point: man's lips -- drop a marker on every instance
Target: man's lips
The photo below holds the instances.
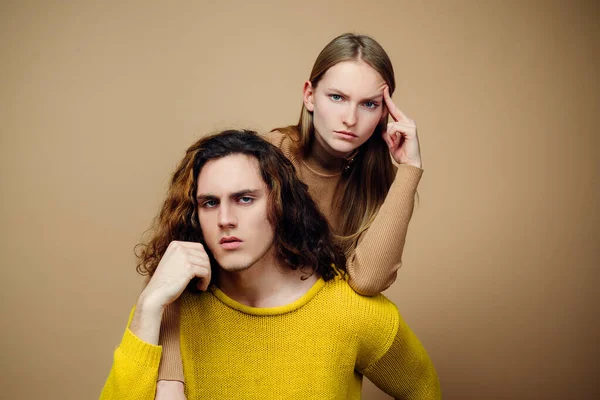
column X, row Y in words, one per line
column 230, row 242
column 226, row 239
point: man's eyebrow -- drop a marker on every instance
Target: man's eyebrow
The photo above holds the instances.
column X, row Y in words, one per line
column 205, row 196
column 377, row 97
column 245, row 192
column 239, row 193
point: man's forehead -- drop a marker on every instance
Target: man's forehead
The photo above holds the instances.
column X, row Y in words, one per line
column 230, row 174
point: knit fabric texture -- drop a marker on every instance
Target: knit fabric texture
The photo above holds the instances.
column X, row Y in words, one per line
column 373, row 266
column 317, row 347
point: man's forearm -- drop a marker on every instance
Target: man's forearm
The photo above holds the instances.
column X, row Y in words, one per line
column 145, row 323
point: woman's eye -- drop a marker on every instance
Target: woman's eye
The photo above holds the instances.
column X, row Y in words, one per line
column 335, row 97
column 371, row 104
column 246, row 200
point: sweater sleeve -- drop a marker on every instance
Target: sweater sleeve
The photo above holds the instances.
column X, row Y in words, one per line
column 134, row 370
column 171, row 367
column 405, row 371
column 276, row 138
column 378, row 255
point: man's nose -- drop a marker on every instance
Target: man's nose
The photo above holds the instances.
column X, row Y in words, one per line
column 227, row 217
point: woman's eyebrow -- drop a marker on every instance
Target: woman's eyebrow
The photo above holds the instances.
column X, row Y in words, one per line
column 377, row 97
column 337, row 90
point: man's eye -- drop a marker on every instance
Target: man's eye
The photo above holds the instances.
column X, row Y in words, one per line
column 246, row 200
column 209, row 204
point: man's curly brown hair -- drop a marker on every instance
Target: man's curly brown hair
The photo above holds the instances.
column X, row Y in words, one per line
column 302, row 236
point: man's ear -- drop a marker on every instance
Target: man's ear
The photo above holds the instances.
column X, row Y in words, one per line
column 309, row 96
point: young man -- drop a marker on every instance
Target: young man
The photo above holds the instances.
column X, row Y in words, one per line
column 278, row 320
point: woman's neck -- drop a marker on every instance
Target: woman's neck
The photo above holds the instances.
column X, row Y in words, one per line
column 322, row 157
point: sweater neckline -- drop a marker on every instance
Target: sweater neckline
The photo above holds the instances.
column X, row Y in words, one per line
column 317, row 169
column 296, row 304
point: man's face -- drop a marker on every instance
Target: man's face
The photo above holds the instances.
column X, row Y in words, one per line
column 232, row 209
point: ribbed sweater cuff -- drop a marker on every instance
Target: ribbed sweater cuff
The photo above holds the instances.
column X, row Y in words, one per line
column 144, row 354
column 171, row 368
column 409, row 174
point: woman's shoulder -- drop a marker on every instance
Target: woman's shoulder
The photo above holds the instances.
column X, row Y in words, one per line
column 275, row 137
column 283, row 139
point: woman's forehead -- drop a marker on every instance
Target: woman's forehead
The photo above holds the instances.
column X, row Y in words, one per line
column 353, row 77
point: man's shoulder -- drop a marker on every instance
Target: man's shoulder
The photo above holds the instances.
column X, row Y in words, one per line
column 191, row 300
column 371, row 321
column 364, row 308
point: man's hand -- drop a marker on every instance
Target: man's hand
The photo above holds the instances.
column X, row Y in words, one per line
column 182, row 262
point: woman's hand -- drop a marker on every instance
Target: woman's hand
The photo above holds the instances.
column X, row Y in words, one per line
column 169, row 390
column 401, row 135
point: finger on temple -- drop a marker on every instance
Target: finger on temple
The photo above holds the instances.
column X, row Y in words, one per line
column 386, row 138
column 395, row 113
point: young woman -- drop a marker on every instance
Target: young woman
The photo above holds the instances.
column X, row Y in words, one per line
column 344, row 149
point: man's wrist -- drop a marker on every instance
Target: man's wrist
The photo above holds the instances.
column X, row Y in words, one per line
column 150, row 304
column 146, row 319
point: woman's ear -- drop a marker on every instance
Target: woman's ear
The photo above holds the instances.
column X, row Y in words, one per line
column 309, row 96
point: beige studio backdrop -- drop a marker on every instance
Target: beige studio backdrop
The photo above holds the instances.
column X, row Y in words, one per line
column 99, row 100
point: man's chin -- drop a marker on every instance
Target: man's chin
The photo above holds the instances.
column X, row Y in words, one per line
column 232, row 265
column 234, row 268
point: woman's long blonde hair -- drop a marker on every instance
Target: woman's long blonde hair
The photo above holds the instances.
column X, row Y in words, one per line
column 366, row 182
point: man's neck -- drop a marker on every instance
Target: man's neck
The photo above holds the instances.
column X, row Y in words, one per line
column 265, row 284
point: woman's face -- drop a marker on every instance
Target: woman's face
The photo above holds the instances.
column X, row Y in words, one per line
column 347, row 105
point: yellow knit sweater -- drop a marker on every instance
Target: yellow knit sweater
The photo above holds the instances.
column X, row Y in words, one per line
column 372, row 267
column 318, row 347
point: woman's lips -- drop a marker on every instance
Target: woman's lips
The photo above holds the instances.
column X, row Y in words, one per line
column 346, row 135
